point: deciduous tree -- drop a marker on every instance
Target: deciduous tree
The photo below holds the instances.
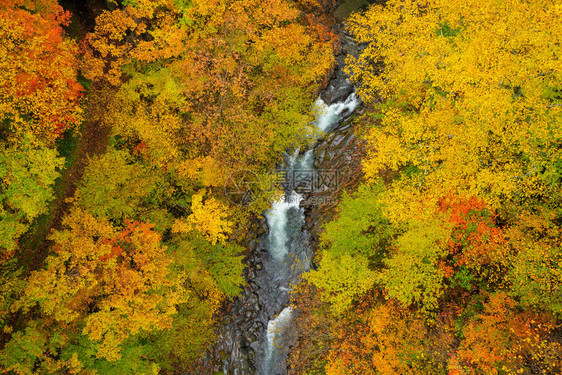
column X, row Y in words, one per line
column 38, row 71
column 469, row 97
column 27, row 176
column 117, row 282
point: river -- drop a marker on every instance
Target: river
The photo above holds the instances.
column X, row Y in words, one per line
column 288, row 253
column 259, row 330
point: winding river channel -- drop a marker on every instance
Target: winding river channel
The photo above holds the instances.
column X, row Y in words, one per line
column 261, row 333
column 259, row 330
column 287, row 244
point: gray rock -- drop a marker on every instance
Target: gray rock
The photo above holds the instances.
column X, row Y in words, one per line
column 251, row 339
column 338, row 90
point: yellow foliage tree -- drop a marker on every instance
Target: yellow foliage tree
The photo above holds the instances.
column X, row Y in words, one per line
column 209, row 218
column 472, row 94
column 225, row 79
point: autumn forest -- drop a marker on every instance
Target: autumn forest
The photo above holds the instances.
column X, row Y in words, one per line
column 125, row 125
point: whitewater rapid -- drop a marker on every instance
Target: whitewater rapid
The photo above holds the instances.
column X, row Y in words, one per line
column 288, row 246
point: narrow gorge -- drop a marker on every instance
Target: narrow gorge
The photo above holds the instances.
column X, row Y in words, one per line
column 259, row 332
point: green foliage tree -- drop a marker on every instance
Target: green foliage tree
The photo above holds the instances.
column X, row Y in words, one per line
column 342, row 279
column 536, row 272
column 27, row 176
column 413, row 275
column 360, row 228
column 114, row 186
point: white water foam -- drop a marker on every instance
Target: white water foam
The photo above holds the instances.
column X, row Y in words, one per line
column 305, row 163
column 293, row 160
column 277, row 218
column 275, row 330
column 329, row 115
column 278, row 329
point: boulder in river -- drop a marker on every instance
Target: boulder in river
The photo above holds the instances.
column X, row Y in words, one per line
column 338, row 89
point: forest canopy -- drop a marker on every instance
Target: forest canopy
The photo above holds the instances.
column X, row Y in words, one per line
column 118, row 245
column 120, row 126
column 448, row 258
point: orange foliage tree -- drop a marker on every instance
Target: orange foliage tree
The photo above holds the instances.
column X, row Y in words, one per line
column 39, row 91
column 229, row 80
column 500, row 337
column 114, row 282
